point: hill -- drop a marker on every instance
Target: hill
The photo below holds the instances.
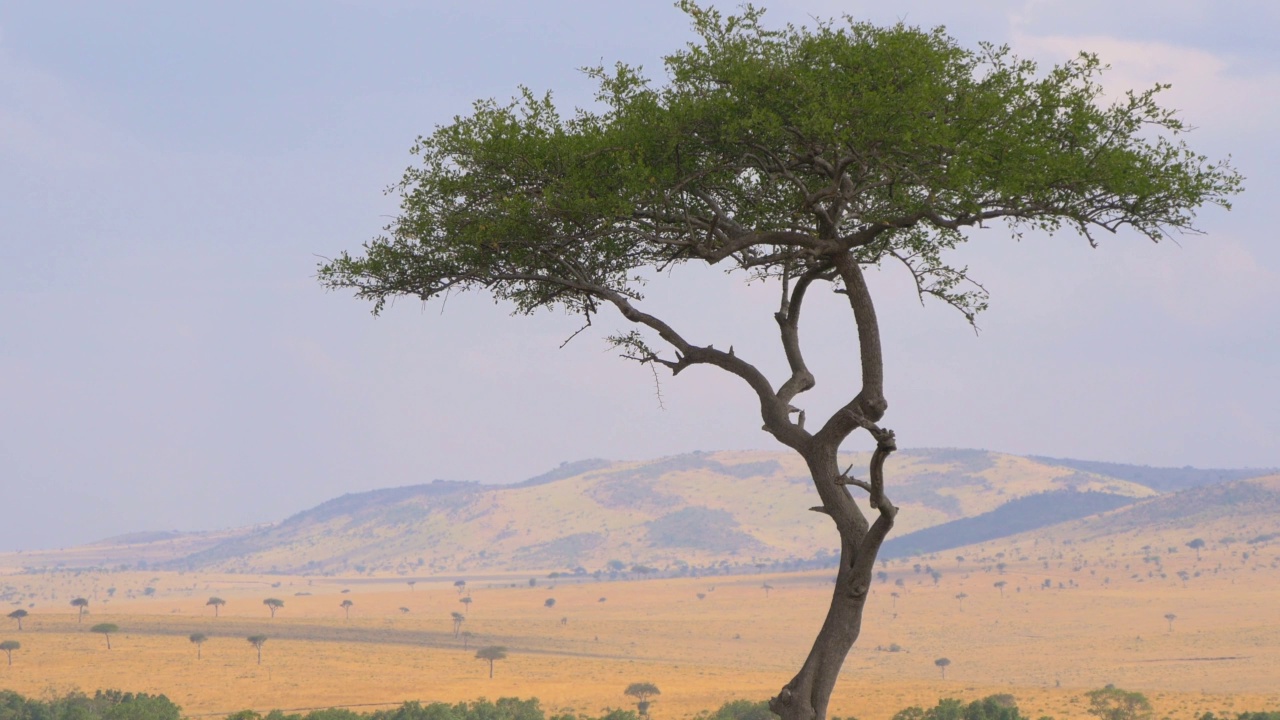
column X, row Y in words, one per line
column 685, row 512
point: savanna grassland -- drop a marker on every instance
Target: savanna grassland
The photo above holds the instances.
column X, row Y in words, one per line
column 703, row 641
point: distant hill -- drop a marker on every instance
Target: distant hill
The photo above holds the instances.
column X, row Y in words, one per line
column 1159, row 479
column 1239, row 513
column 699, row 509
column 695, row 510
column 1016, row 516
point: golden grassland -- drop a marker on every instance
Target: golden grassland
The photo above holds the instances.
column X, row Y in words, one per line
column 1045, row 646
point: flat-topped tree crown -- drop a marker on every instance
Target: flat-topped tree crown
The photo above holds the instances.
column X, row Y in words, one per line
column 798, row 157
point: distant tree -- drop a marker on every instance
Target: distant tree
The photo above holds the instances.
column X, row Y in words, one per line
column 18, row 615
column 198, row 639
column 999, row 585
column 1196, row 545
column 404, row 609
column 935, row 575
column 273, row 605
column 961, row 597
column 466, row 602
column 458, row 619
column 1112, row 703
column 942, row 664
column 82, row 605
column 491, row 653
column 8, row 646
column 411, row 583
column 216, row 602
column 895, row 597
column 702, row 596
column 1170, row 617
column 257, row 641
column 466, row 639
column 533, row 582
column 460, row 585
column 346, row 605
column 767, row 587
column 642, row 692
column 105, row 629
column 549, row 603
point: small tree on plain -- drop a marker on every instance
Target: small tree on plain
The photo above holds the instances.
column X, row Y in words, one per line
column 105, row 629
column 1196, row 545
column 895, row 597
column 942, row 664
column 198, row 639
column 411, row 583
column 466, row 639
column 80, row 604
column 642, row 692
column 257, row 641
column 549, row 603
column 346, row 606
column 466, row 602
column 999, row 585
column 1170, row 617
column 273, row 604
column 491, row 653
column 460, row 585
column 961, row 597
column 458, row 619
column 8, row 646
column 767, row 587
column 216, row 602
column 18, row 615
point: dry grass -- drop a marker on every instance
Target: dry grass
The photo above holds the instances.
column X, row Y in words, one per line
column 1047, row 647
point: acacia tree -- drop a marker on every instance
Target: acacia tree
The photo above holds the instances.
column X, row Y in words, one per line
column 642, row 692
column 198, row 640
column 491, row 653
column 105, row 629
column 1196, row 545
column 257, row 641
column 216, row 602
column 346, row 606
column 18, row 615
column 8, row 646
column 458, row 619
column 273, row 604
column 81, row 605
column 942, row 664
column 798, row 158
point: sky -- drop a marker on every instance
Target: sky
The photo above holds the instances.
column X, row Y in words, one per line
column 171, row 173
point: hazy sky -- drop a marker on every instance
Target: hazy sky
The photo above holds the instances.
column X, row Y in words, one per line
column 169, row 173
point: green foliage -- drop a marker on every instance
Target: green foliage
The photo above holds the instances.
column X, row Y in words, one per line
column 642, row 691
column 1112, row 703
column 773, row 148
column 992, row 707
column 740, row 710
column 104, row 705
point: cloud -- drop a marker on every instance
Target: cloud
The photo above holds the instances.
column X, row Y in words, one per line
column 1212, row 89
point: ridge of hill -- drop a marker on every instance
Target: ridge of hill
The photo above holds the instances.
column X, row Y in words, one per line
column 690, row 511
column 1243, row 513
column 1158, row 478
column 1016, row 516
column 694, row 510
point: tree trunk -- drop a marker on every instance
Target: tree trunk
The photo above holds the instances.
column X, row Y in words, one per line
column 490, row 668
